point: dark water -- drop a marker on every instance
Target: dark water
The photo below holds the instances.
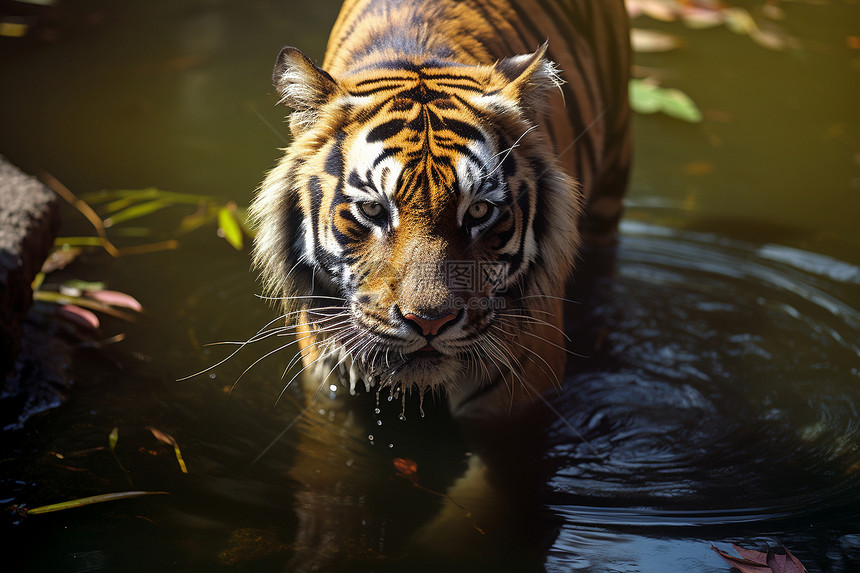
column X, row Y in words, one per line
column 713, row 400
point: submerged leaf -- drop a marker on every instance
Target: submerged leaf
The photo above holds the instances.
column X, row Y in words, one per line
column 113, row 438
column 646, row 96
column 91, row 500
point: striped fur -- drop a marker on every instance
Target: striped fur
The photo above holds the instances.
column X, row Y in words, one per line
column 441, row 174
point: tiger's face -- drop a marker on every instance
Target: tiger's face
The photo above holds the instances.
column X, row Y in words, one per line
column 416, row 198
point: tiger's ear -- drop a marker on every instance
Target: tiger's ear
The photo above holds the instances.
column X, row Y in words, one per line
column 303, row 86
column 527, row 78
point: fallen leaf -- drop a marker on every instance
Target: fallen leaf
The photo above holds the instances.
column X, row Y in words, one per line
column 115, row 298
column 752, row 561
column 78, row 316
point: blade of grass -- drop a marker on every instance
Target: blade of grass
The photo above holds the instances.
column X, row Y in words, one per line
column 84, row 501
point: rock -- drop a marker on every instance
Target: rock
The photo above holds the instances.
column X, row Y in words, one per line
column 29, row 220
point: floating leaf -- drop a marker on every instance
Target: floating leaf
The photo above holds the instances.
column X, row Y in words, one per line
column 657, row 9
column 649, row 41
column 739, row 20
column 91, row 500
column 228, row 226
column 700, row 17
column 646, row 96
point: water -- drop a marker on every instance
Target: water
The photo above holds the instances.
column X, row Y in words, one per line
column 715, row 399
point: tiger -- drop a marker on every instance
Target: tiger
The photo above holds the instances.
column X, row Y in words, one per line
column 449, row 162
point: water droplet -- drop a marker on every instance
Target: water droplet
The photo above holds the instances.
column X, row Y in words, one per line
column 402, row 417
column 370, row 437
column 333, row 387
column 390, row 446
column 379, row 422
column 376, row 410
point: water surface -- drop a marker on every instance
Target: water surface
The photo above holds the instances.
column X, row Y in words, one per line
column 714, row 394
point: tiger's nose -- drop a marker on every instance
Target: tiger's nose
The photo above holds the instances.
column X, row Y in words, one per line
column 429, row 326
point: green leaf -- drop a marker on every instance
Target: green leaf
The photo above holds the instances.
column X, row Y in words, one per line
column 91, row 500
column 83, row 285
column 78, row 242
column 229, row 228
column 648, row 97
column 136, row 211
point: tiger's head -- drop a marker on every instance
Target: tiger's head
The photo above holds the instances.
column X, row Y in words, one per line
column 418, row 218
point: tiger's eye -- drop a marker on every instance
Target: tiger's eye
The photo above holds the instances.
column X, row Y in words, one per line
column 479, row 210
column 371, row 209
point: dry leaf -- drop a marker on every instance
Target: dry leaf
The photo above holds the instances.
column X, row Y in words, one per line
column 752, row 561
